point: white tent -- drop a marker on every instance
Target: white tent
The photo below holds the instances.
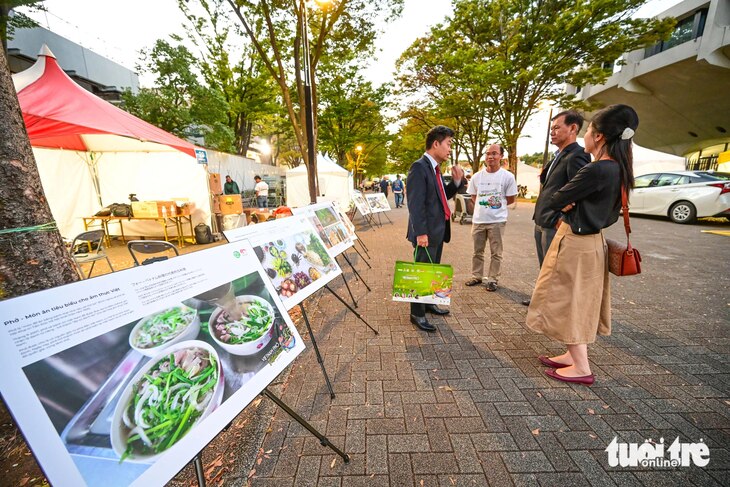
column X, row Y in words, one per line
column 335, row 183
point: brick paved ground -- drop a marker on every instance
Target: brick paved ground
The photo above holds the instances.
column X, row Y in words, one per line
column 469, row 405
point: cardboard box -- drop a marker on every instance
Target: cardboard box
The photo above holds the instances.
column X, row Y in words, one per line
column 169, row 208
column 215, row 183
column 229, row 204
column 144, row 209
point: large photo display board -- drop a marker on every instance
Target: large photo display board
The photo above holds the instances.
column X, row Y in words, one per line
column 328, row 223
column 122, row 379
column 293, row 256
column 361, row 203
column 378, row 202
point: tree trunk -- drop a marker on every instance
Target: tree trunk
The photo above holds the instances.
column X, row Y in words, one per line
column 30, row 260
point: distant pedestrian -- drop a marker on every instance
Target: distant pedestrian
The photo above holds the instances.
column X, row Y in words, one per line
column 262, row 192
column 384, row 183
column 572, row 298
column 230, row 187
column 398, row 191
column 491, row 190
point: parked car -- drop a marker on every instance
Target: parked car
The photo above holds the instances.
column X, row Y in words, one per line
column 683, row 196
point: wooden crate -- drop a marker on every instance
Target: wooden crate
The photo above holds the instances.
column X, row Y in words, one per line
column 145, row 209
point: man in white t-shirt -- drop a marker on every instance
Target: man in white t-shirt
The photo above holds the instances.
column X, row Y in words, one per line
column 262, row 192
column 491, row 190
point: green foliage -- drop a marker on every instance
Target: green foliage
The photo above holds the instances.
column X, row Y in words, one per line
column 179, row 103
column 351, row 114
column 340, row 34
column 508, row 55
column 233, row 68
column 18, row 20
column 533, row 160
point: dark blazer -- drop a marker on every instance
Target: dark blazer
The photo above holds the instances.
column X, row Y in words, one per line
column 567, row 165
column 425, row 211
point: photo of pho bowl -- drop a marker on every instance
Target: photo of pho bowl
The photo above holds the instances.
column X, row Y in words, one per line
column 155, row 332
column 166, row 399
column 246, row 329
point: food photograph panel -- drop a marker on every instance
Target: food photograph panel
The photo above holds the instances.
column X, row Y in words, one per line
column 293, row 256
column 349, row 226
column 133, row 405
column 329, row 226
column 361, row 204
column 378, row 202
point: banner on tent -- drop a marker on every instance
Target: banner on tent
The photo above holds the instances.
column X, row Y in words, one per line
column 107, row 377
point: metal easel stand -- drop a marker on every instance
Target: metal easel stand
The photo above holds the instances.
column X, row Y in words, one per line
column 322, row 439
column 363, row 258
column 316, row 351
column 327, row 287
column 354, row 303
column 378, row 223
column 368, row 219
column 385, row 214
column 357, row 274
column 364, row 248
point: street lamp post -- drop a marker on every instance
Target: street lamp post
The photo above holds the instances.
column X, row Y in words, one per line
column 308, row 108
column 358, row 150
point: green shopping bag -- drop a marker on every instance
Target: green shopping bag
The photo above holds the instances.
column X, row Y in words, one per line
column 421, row 282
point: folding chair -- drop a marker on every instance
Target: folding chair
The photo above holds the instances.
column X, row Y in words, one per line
column 151, row 247
column 89, row 247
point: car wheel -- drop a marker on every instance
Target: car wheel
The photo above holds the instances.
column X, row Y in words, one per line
column 683, row 212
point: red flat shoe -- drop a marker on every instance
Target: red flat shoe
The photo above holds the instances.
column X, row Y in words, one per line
column 586, row 380
column 550, row 363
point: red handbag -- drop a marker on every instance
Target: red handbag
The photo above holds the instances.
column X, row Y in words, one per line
column 623, row 260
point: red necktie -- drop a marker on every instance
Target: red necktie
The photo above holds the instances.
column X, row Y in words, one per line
column 442, row 193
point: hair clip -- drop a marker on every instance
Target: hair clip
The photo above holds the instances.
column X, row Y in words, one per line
column 627, row 133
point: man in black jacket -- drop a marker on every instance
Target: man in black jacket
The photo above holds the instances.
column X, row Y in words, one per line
column 429, row 213
column 566, row 163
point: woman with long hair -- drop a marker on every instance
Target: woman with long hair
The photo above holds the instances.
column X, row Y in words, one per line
column 571, row 302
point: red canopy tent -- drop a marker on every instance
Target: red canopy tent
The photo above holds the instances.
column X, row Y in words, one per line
column 60, row 114
column 74, row 132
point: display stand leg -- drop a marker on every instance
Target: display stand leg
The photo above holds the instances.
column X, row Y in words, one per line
column 368, row 219
column 327, row 287
column 357, row 274
column 322, row 439
column 386, row 216
column 316, row 351
column 198, row 462
column 364, row 247
column 363, row 258
column 354, row 303
column 378, row 223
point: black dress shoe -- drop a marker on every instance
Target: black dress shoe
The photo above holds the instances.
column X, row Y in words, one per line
column 432, row 308
column 526, row 302
column 422, row 323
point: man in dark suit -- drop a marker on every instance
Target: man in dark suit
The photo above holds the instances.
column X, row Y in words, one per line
column 566, row 163
column 429, row 214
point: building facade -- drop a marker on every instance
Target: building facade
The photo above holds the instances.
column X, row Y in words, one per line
column 680, row 87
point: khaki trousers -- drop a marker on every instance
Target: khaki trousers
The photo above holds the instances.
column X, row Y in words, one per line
column 482, row 233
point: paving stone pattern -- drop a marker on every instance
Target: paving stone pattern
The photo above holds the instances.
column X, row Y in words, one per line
column 470, row 405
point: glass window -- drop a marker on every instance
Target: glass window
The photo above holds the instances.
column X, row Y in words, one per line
column 644, row 181
column 668, row 179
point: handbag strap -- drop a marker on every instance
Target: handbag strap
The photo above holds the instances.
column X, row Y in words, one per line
column 625, row 211
column 415, row 251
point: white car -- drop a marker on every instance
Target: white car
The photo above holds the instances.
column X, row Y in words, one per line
column 683, row 196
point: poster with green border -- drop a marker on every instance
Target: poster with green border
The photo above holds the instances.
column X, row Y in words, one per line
column 416, row 282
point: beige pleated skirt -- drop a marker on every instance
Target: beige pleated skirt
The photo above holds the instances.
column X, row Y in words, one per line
column 571, row 302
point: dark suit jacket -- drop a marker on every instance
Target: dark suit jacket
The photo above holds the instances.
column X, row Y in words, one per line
column 425, row 211
column 567, row 165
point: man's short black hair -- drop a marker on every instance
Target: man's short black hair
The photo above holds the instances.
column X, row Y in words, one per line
column 571, row 117
column 439, row 132
column 257, row 177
